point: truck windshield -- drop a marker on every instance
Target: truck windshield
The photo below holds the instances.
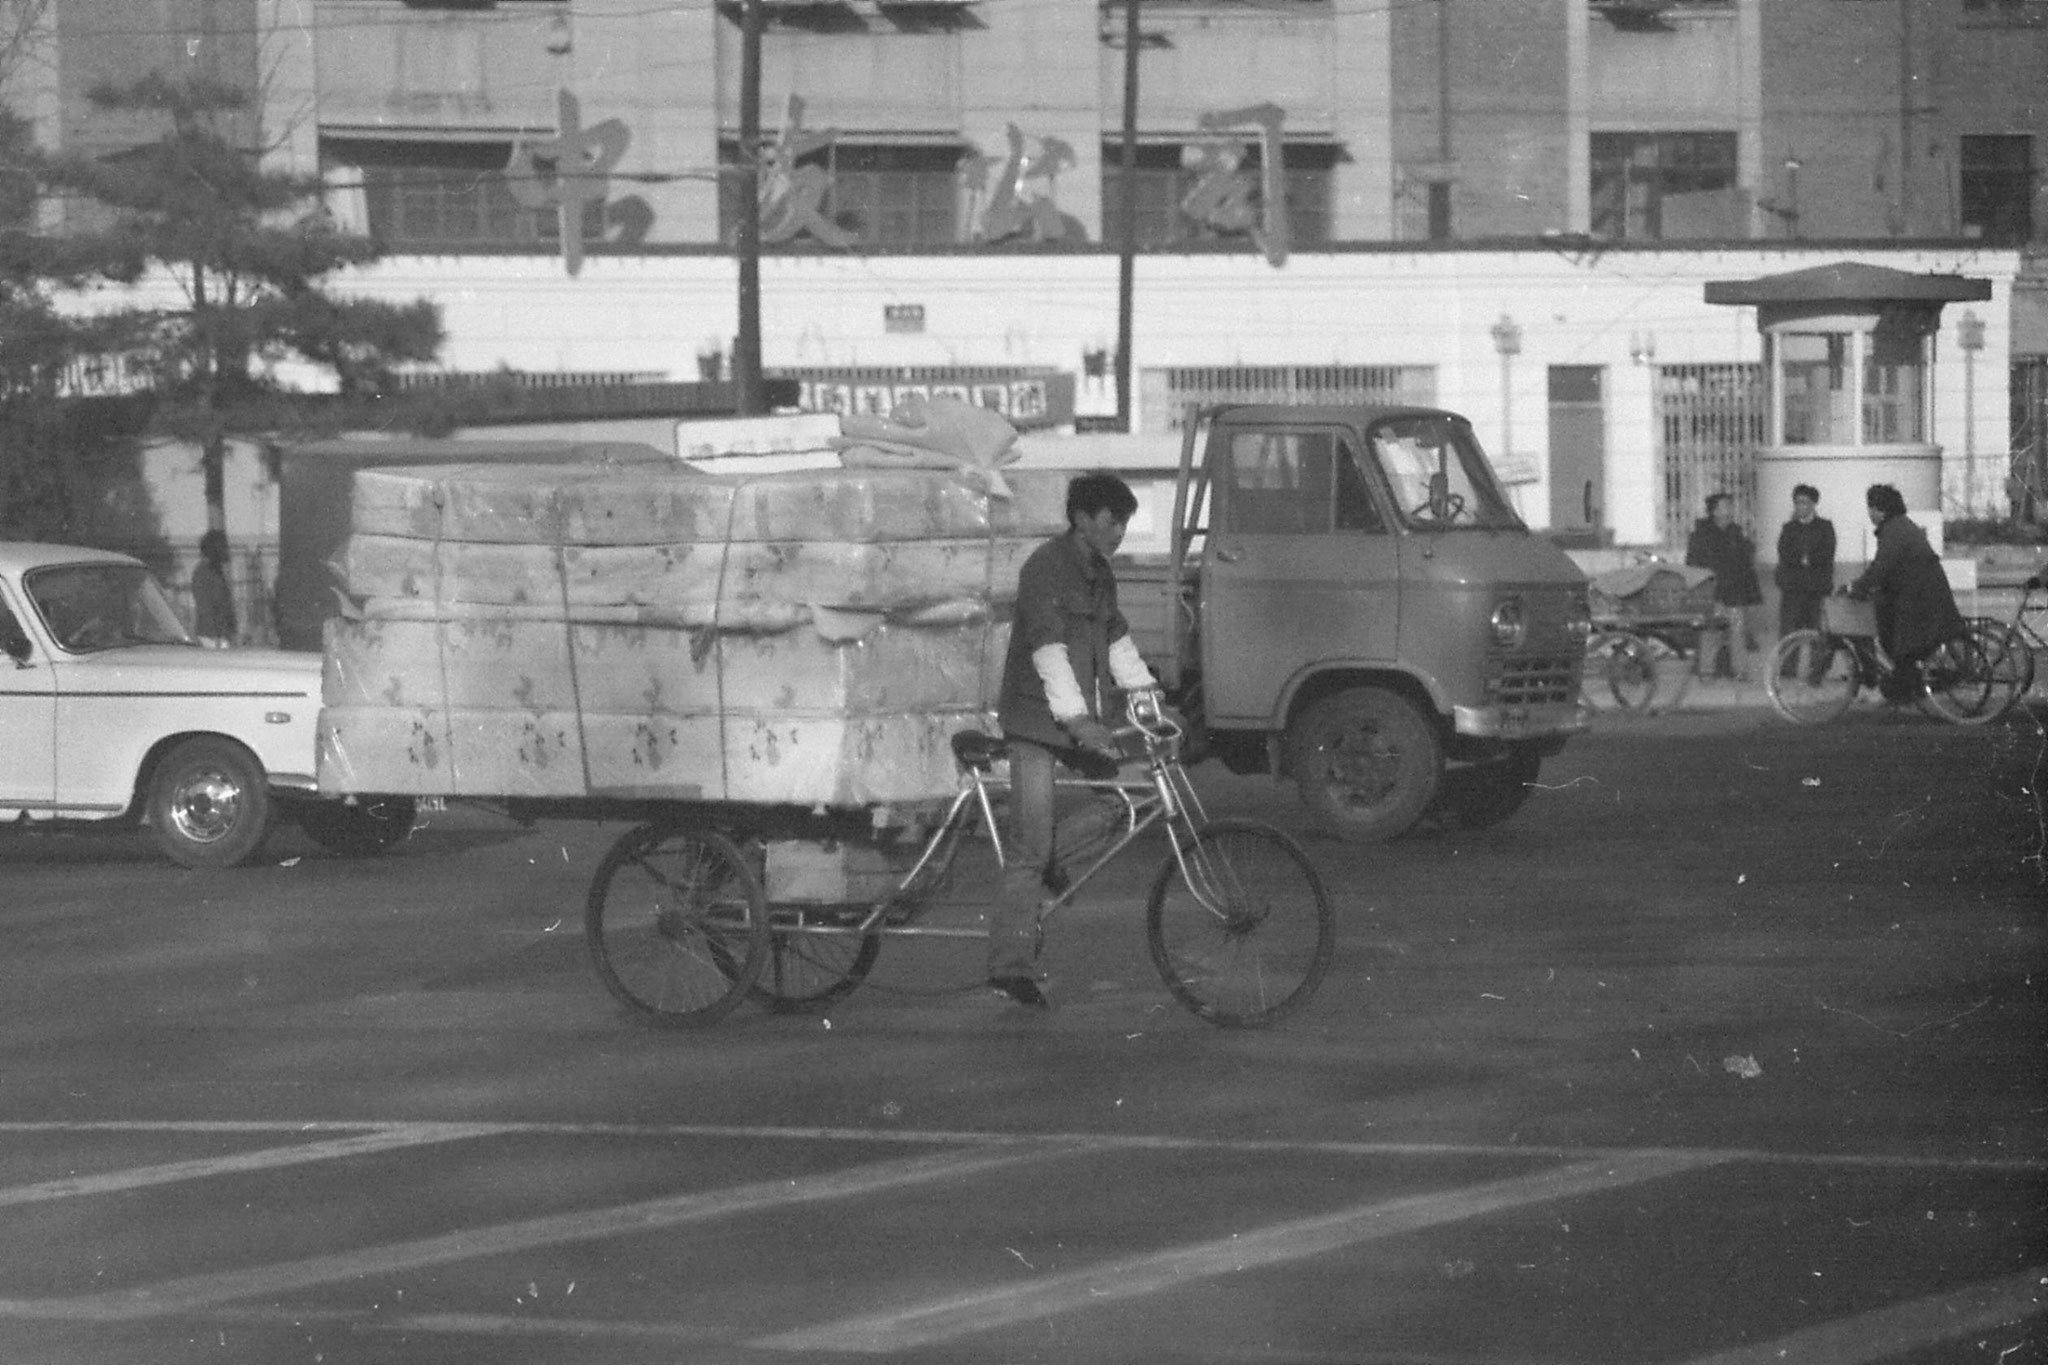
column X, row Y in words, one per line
column 91, row 607
column 1440, row 476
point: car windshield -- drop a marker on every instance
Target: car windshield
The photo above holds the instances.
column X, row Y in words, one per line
column 91, row 607
column 1440, row 476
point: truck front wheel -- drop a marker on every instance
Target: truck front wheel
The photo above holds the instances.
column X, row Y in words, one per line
column 1482, row 795
column 208, row 803
column 1367, row 763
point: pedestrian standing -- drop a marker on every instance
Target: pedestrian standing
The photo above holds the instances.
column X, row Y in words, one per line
column 1718, row 544
column 1070, row 652
column 213, row 601
column 1806, row 563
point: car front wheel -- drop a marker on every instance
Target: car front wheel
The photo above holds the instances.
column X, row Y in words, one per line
column 208, row 804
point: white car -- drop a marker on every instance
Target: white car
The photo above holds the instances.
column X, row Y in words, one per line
column 111, row 711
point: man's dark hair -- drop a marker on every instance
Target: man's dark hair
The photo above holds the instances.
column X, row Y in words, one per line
column 214, row 545
column 1805, row 490
column 1885, row 499
column 1713, row 498
column 1097, row 492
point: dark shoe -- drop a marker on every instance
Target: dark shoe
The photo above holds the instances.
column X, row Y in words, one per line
column 1021, row 990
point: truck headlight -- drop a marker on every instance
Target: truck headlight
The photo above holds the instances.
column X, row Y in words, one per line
column 1578, row 619
column 1509, row 627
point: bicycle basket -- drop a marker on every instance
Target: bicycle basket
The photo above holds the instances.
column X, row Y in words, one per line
column 1847, row 616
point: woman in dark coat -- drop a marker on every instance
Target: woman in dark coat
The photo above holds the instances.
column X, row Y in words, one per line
column 1717, row 543
column 1916, row 610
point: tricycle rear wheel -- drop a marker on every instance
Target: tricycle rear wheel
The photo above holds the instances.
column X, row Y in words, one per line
column 676, row 924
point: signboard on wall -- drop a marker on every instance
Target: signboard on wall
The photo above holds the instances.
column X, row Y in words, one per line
column 1028, row 398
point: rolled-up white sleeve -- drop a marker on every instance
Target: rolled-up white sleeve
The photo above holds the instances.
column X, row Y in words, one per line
column 1127, row 666
column 1062, row 688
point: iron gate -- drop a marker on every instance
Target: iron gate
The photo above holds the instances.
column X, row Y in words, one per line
column 1713, row 418
column 1165, row 393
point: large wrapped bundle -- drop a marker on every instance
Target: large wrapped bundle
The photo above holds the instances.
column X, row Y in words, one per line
column 809, row 638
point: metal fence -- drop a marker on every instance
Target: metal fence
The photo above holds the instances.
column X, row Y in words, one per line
column 1713, row 421
column 1164, row 394
column 2030, row 438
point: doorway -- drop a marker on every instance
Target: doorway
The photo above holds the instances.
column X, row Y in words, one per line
column 1578, row 455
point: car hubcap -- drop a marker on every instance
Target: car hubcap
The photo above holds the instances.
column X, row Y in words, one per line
column 206, row 806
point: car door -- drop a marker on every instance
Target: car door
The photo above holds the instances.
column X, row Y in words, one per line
column 1301, row 566
column 28, row 716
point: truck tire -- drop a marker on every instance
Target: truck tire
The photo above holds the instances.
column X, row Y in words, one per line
column 372, row 825
column 1482, row 795
column 208, row 804
column 1367, row 763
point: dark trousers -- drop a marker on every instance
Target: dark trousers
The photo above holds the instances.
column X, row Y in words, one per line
column 1034, row 843
column 1799, row 610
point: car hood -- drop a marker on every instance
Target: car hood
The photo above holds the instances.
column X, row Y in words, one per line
column 184, row 669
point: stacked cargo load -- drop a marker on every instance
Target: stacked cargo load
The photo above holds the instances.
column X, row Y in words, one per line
column 810, row 638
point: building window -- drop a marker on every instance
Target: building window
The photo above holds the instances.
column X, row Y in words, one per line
column 1813, row 370
column 1998, row 188
column 1665, row 186
column 1892, row 373
column 882, row 194
column 435, row 195
column 1168, row 173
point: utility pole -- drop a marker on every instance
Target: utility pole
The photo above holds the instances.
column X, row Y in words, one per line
column 746, row 350
column 1127, row 191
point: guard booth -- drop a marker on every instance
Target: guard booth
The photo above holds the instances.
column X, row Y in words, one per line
column 1848, row 370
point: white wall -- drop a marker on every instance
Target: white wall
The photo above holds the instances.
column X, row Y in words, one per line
column 654, row 313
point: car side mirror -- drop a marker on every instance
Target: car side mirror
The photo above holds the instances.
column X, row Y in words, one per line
column 17, row 647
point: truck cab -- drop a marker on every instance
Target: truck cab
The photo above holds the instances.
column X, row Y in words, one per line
column 1351, row 602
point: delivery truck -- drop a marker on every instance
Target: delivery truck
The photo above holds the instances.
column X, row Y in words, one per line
column 1349, row 602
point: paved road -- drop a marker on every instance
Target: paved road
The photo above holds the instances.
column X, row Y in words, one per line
column 1727, row 1049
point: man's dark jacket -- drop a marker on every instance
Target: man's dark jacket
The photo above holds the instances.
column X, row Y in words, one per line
column 1916, row 609
column 1732, row 558
column 1066, row 594
column 1806, row 556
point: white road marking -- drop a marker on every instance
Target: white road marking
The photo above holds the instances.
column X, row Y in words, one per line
column 1885, row 1333
column 927, row 1324
column 201, row 1291
column 389, row 1139
column 928, row 1137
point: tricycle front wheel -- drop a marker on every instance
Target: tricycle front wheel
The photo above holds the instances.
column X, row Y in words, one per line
column 676, row 924
column 1239, row 924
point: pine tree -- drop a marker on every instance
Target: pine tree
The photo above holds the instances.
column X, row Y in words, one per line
column 250, row 253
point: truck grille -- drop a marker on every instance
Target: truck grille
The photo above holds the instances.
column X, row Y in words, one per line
column 1534, row 680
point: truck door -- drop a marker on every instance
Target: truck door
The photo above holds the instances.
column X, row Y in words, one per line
column 28, row 717
column 1301, row 565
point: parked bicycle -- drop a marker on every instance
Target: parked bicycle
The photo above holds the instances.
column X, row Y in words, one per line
column 2026, row 635
column 680, row 926
column 1816, row 675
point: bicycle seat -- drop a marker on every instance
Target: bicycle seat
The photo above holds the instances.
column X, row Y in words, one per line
column 978, row 750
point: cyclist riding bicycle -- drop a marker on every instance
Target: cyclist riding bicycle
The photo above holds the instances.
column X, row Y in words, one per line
column 1916, row 610
column 1070, row 647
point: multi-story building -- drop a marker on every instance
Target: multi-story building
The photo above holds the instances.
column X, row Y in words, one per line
column 1507, row 206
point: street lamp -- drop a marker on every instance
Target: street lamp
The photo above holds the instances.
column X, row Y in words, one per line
column 1507, row 339
column 1970, row 336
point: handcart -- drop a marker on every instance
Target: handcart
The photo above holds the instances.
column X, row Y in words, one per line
column 1647, row 623
column 702, row 906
